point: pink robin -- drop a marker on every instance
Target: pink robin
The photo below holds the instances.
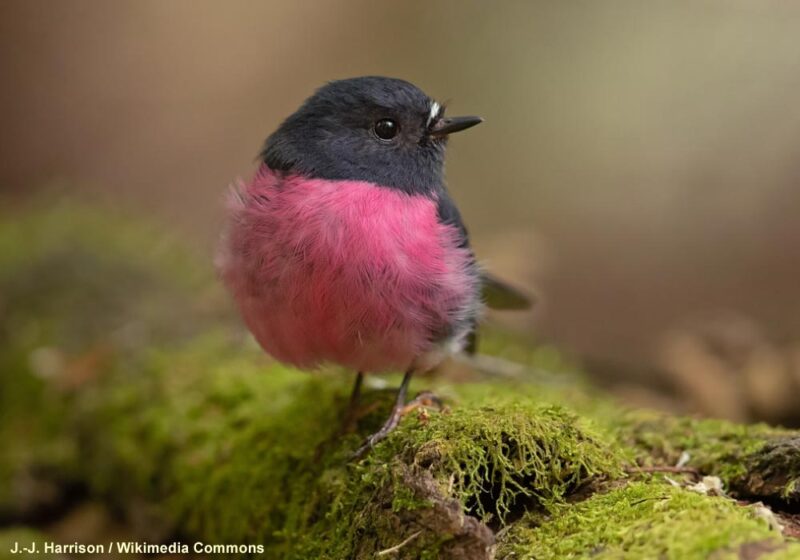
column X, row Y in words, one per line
column 346, row 247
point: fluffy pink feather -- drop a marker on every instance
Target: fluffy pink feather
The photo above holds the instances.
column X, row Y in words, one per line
column 345, row 272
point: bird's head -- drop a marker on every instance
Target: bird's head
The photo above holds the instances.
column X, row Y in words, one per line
column 380, row 130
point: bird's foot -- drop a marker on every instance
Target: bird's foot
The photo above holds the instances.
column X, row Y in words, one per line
column 421, row 402
column 424, row 400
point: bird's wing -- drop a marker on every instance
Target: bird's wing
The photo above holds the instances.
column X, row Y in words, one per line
column 498, row 294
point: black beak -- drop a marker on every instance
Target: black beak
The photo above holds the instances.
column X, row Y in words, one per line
column 453, row 124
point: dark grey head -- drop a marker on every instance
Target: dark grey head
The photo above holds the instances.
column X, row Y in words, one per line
column 381, row 130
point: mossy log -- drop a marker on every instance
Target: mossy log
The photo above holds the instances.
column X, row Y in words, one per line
column 121, row 380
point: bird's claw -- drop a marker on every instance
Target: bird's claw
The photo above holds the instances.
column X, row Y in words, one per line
column 422, row 401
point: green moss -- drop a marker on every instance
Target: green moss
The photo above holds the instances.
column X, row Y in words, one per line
column 787, row 551
column 641, row 520
column 207, row 427
column 480, row 460
column 712, row 444
column 193, row 425
column 510, row 452
column 204, row 432
column 79, row 290
column 752, row 460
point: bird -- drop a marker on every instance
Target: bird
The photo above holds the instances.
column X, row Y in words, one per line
column 346, row 247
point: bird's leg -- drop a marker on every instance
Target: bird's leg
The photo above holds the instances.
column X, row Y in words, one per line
column 391, row 422
column 351, row 414
column 355, row 394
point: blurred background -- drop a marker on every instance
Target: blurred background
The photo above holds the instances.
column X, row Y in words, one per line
column 639, row 167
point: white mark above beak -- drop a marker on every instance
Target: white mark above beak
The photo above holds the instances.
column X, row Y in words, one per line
column 435, row 108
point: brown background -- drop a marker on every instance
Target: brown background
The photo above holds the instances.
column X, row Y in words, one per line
column 639, row 163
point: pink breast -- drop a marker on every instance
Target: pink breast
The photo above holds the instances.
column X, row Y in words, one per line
column 344, row 272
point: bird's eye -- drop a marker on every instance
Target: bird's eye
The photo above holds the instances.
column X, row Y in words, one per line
column 386, row 129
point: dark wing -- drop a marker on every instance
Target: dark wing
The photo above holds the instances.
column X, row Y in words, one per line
column 494, row 292
column 498, row 294
column 448, row 214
